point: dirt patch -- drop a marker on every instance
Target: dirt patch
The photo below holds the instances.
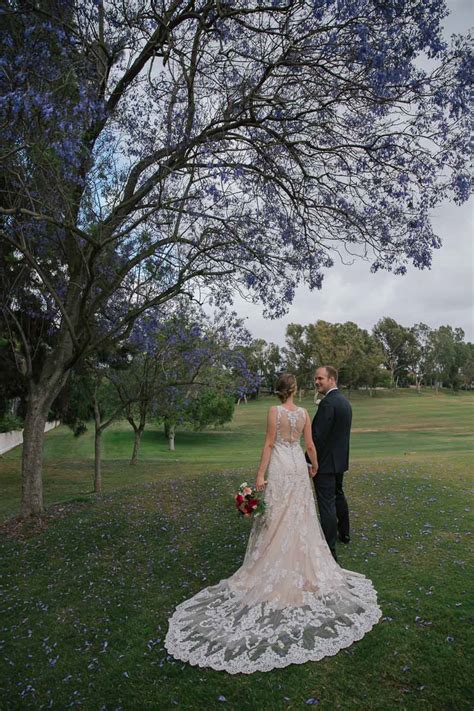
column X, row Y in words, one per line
column 23, row 528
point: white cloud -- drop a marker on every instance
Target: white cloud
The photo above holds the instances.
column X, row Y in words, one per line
column 441, row 295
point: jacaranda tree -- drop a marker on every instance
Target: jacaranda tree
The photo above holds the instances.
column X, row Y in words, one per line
column 182, row 358
column 154, row 147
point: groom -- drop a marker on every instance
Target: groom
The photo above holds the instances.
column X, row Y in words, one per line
column 331, row 432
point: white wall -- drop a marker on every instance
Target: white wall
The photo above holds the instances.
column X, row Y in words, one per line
column 9, row 440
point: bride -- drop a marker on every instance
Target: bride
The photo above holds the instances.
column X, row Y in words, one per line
column 289, row 602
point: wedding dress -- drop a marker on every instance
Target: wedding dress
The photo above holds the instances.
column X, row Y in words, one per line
column 289, row 602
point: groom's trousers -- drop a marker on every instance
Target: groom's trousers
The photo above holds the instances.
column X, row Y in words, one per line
column 333, row 508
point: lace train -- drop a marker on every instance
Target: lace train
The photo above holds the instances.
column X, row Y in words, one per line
column 216, row 629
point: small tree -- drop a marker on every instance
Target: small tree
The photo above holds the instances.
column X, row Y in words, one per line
column 395, row 341
column 467, row 366
column 209, row 367
column 362, row 357
column 177, row 359
column 211, row 407
column 447, row 344
column 373, row 373
column 91, row 395
column 264, row 359
column 107, row 408
column 136, row 390
column 419, row 352
column 298, row 355
column 200, row 409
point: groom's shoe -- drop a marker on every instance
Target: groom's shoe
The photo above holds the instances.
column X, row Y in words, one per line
column 344, row 539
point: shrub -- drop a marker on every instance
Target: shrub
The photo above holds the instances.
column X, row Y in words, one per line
column 10, row 422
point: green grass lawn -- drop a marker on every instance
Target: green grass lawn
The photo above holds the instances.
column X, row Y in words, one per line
column 86, row 600
column 403, row 425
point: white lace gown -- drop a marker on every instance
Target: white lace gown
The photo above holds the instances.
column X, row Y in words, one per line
column 289, row 602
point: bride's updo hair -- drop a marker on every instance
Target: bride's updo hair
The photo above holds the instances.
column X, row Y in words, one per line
column 285, row 386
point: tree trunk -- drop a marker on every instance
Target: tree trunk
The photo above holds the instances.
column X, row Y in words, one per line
column 136, row 444
column 166, row 427
column 98, row 442
column 40, row 397
column 392, row 377
column 171, row 432
column 97, row 462
column 41, row 393
column 32, row 458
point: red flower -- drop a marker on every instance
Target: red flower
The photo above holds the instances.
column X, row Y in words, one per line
column 247, row 504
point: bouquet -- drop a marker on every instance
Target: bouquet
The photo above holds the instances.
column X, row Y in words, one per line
column 247, row 501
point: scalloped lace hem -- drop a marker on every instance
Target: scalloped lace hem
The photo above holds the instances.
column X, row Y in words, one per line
column 219, row 627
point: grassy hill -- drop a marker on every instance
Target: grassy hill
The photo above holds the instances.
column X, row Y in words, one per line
column 403, row 425
column 87, row 593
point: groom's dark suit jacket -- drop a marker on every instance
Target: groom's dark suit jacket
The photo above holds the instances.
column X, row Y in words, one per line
column 331, row 433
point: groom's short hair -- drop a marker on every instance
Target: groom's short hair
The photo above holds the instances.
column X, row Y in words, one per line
column 331, row 371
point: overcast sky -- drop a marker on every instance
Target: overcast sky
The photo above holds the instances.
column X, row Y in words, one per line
column 442, row 295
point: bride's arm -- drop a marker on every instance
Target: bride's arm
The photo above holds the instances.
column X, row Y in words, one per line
column 267, row 449
column 309, row 444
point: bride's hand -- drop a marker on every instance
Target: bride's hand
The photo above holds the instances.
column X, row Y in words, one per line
column 312, row 472
column 260, row 484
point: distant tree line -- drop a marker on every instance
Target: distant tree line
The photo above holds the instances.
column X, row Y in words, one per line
column 186, row 367
column 391, row 355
